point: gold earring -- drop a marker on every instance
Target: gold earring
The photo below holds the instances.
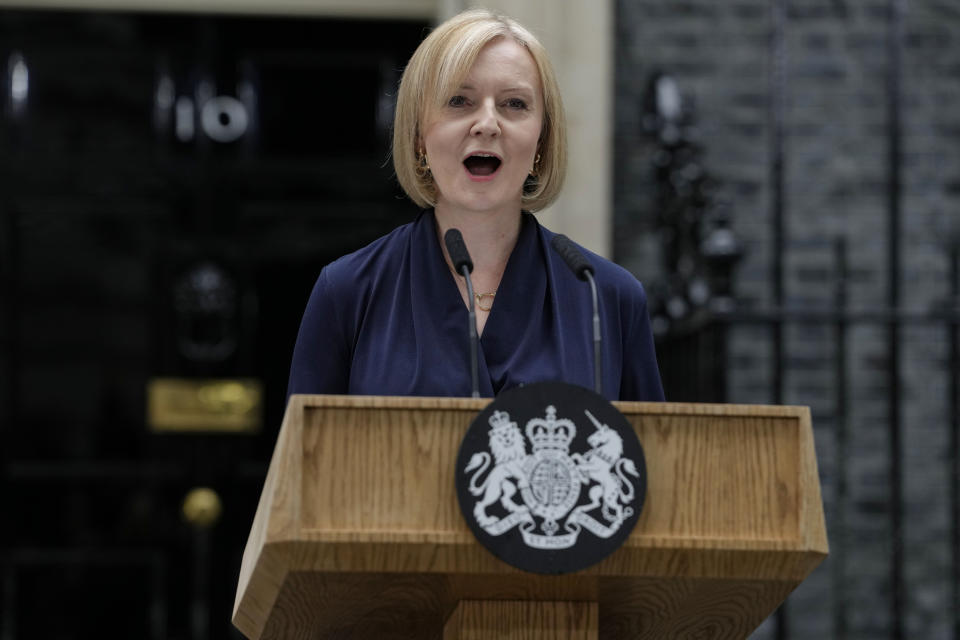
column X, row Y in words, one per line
column 536, row 163
column 423, row 166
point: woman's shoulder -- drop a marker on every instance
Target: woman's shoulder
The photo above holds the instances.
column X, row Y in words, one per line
column 382, row 255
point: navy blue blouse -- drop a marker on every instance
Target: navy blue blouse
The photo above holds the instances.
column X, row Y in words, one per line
column 389, row 320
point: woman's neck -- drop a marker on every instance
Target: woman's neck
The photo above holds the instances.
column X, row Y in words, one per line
column 490, row 238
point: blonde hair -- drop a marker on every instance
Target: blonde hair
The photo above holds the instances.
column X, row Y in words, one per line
column 438, row 67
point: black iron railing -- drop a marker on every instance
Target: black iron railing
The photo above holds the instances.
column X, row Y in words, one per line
column 693, row 364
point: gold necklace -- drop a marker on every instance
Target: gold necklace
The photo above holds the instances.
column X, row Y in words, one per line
column 477, row 296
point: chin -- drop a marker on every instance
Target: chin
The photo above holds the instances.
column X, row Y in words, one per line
column 490, row 207
column 491, row 202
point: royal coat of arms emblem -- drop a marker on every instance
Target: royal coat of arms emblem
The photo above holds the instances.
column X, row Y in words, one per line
column 543, row 487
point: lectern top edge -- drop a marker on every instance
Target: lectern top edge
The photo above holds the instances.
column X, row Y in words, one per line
column 476, row 404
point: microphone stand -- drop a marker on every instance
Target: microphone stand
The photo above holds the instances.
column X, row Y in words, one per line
column 473, row 334
column 598, row 385
column 460, row 257
column 584, row 271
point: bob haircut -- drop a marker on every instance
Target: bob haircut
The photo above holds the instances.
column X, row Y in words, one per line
column 435, row 71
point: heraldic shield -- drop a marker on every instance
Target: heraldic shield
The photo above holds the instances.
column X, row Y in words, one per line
column 551, row 477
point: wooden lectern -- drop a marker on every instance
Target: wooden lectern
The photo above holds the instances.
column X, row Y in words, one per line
column 358, row 533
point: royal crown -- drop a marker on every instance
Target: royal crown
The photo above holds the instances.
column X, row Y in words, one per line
column 551, row 434
column 500, row 421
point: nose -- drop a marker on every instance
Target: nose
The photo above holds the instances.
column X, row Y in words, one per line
column 487, row 122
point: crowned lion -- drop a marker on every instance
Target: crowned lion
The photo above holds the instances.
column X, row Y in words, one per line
column 509, row 452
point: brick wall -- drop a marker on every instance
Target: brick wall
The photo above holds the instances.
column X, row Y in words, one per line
column 836, row 178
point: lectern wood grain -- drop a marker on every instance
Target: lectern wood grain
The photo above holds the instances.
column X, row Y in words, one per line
column 358, row 532
column 522, row 620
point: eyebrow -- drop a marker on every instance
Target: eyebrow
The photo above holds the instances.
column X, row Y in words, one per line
column 527, row 88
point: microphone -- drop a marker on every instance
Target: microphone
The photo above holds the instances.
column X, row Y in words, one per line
column 571, row 255
column 584, row 271
column 457, row 249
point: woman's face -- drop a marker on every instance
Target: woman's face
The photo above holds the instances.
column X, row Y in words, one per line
column 481, row 144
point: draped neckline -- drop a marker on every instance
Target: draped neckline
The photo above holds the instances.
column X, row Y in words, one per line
column 521, row 292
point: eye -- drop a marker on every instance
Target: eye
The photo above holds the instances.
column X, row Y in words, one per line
column 457, row 101
column 516, row 103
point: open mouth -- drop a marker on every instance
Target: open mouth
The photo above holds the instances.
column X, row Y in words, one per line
column 482, row 164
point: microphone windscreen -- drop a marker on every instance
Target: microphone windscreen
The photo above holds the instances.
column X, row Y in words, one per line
column 571, row 255
column 457, row 249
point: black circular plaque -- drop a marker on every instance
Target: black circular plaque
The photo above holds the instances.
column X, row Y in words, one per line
column 551, row 477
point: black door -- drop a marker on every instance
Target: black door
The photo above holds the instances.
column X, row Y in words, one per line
column 170, row 186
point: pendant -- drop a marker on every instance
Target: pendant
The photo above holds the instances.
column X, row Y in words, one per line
column 481, row 296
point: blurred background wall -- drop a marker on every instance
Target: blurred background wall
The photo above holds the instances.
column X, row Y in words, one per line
column 826, row 136
column 783, row 176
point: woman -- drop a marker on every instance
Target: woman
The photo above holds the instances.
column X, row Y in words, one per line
column 479, row 141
